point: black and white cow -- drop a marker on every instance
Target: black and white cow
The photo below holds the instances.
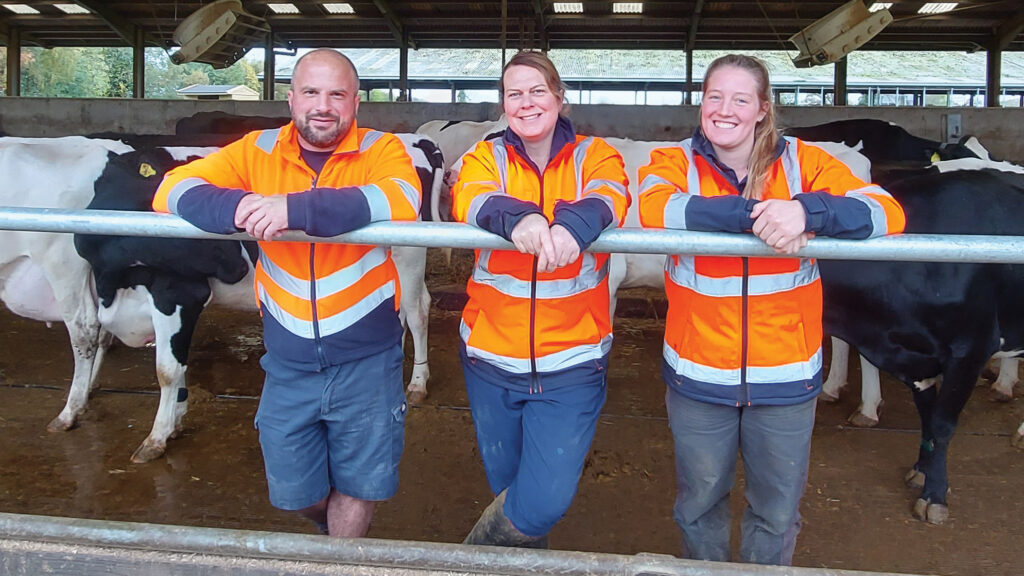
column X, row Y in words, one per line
column 924, row 321
column 152, row 290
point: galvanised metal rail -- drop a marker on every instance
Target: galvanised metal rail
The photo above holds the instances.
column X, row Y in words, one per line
column 906, row 247
column 40, row 544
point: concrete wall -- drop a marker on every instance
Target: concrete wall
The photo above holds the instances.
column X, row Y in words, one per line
column 1001, row 130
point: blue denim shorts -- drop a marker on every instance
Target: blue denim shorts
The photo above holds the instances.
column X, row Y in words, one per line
column 342, row 427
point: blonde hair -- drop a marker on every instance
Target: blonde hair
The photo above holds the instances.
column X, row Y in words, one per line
column 766, row 137
column 540, row 62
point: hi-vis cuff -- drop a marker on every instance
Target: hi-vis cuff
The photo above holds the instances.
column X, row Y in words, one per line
column 550, row 363
column 793, row 372
column 179, row 190
column 302, row 325
column 591, row 276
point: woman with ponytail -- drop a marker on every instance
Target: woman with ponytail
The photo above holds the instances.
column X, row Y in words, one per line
column 742, row 352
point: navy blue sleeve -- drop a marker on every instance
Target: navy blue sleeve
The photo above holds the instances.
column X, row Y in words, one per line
column 836, row 216
column 211, row 208
column 500, row 214
column 585, row 219
column 728, row 213
column 328, row 212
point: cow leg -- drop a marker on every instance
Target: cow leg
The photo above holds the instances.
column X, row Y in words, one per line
column 1002, row 388
column 1018, row 438
column 173, row 334
column 414, row 310
column 837, row 371
column 958, row 382
column 87, row 344
column 870, row 396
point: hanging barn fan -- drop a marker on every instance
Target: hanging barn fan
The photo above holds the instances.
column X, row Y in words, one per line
column 838, row 33
column 219, row 34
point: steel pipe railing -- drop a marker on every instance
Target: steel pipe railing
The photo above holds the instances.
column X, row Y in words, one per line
column 88, row 538
column 905, row 247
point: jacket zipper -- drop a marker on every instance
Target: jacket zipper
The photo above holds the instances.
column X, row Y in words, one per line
column 320, row 355
column 745, row 299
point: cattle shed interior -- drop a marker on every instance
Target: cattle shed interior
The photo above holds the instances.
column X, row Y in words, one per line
column 989, row 26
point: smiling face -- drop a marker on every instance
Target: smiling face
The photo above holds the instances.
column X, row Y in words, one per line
column 324, row 100
column 530, row 104
column 731, row 109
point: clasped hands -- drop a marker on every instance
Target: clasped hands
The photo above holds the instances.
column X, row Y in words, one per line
column 781, row 224
column 263, row 217
column 553, row 246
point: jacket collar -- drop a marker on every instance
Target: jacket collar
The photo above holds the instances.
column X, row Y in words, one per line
column 702, row 146
column 564, row 134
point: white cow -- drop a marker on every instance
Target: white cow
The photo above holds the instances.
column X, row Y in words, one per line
column 42, row 277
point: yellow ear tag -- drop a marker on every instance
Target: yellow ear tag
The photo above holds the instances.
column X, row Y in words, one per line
column 935, row 157
column 146, row 170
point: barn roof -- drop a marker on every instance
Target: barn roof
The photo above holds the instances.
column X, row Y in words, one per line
column 703, row 25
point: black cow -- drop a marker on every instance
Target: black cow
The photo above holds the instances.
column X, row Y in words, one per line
column 920, row 320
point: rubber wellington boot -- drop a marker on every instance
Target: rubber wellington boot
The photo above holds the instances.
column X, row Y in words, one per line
column 495, row 529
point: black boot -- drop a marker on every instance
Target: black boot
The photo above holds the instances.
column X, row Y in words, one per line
column 494, row 529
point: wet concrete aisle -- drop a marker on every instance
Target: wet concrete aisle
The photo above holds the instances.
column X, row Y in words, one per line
column 856, row 510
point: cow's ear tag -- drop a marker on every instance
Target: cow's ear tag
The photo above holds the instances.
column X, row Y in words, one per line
column 935, row 157
column 146, row 170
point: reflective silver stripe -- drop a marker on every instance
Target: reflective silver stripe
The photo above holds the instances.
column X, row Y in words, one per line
column 692, row 174
column 267, row 140
column 550, row 363
column 791, row 167
column 684, row 274
column 411, row 194
column 793, row 372
column 590, row 277
column 301, row 328
column 501, row 161
column 699, row 372
column 330, row 284
column 369, row 140
column 579, row 154
column 354, row 313
column 599, row 182
column 652, row 180
column 328, row 326
column 879, row 223
column 675, row 211
column 380, row 208
column 476, row 204
column 179, row 189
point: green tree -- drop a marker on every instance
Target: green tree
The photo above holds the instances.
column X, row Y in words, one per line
column 119, row 71
column 64, row 73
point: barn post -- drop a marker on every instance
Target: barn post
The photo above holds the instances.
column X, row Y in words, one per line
column 268, row 67
column 689, row 77
column 403, row 69
column 14, row 61
column 839, row 83
column 993, row 76
column 139, row 64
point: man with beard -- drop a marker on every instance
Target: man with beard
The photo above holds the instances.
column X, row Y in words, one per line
column 332, row 413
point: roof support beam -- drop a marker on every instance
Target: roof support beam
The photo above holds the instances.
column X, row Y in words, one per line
column 117, row 23
column 13, row 62
column 1008, row 31
column 139, row 64
column 395, row 24
column 542, row 23
column 993, row 77
column 839, row 83
column 691, row 41
column 269, row 66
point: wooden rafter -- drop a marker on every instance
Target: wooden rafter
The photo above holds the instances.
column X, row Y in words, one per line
column 395, row 24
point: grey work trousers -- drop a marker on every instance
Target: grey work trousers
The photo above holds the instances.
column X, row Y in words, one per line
column 774, row 442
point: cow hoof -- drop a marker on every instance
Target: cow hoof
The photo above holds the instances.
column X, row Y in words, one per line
column 999, row 396
column 861, row 421
column 929, row 512
column 827, row 397
column 415, row 397
column 147, row 453
column 60, row 425
column 914, row 479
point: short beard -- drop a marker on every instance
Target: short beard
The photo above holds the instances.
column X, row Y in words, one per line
column 322, row 138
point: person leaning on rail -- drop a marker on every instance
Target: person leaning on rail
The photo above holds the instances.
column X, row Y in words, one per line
column 536, row 331
column 742, row 353
column 330, row 311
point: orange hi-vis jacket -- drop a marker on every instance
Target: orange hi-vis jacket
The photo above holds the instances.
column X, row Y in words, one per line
column 322, row 304
column 746, row 331
column 522, row 322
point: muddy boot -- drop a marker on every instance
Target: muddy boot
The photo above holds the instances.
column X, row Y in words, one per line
column 494, row 529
